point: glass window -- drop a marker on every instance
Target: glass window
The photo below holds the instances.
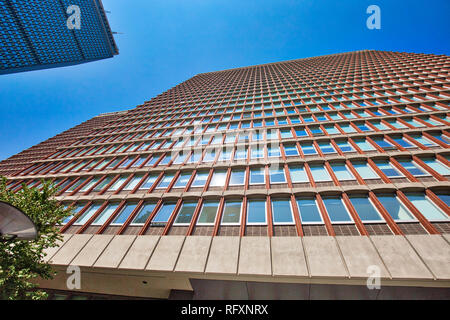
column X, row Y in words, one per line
column 319, row 173
column 232, row 212
column 290, row 150
column 403, row 142
column 200, row 179
column 298, row 174
column 412, row 168
column 165, row 181
column 148, row 182
column 143, row 214
column 87, row 214
column 185, row 214
column 326, row 147
column 309, row 212
column 426, row 206
column 341, row 171
column 364, row 170
column 336, row 210
column 105, row 214
column 308, row 148
column 364, row 145
column 344, row 146
column 387, row 168
column 133, row 182
column 395, row 208
column 208, row 212
column 75, row 211
column 124, row 214
column 277, row 175
column 274, row 151
column 237, row 177
column 282, row 211
column 383, row 144
column 365, row 209
column 183, row 179
column 256, row 212
column 164, row 213
column 218, row 178
column 444, row 197
column 437, row 166
column 257, row 176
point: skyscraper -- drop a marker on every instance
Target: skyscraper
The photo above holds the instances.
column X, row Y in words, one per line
column 300, row 179
column 39, row 34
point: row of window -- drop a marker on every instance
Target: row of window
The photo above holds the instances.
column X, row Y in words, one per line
column 257, row 175
column 239, row 153
column 283, row 211
column 206, row 139
column 309, row 96
column 281, row 115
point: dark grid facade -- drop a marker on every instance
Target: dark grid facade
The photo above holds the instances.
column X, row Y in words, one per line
column 346, row 144
column 34, row 35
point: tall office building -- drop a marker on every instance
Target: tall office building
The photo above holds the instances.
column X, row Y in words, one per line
column 35, row 34
column 300, row 179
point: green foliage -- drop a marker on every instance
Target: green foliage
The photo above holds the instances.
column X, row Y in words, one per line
column 21, row 261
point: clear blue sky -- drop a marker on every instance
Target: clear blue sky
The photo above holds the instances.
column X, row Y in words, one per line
column 167, row 42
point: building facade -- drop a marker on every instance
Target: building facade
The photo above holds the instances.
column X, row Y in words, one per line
column 297, row 179
column 35, row 34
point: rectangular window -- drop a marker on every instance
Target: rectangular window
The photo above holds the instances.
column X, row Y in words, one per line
column 183, row 179
column 124, row 214
column 341, row 172
column 133, row 182
column 274, row 151
column 282, row 212
column 218, row 178
column 257, row 176
column 164, row 213
column 364, row 170
column 308, row 148
column 105, row 214
column 326, row 147
column 290, row 150
column 298, row 174
column 387, row 169
column 87, row 214
column 365, row 209
column 309, row 212
column 232, row 213
column 148, row 182
column 437, row 166
column 412, row 168
column 395, row 208
column 364, row 145
column 200, row 179
column 426, row 207
column 165, row 181
column 237, row 177
column 208, row 213
column 277, row 175
column 344, row 146
column 186, row 213
column 256, row 212
column 320, row 173
column 336, row 210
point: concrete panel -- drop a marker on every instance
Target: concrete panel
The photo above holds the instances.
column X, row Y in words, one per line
column 92, row 250
column 434, row 251
column 70, row 249
column 254, row 256
column 115, row 251
column 223, row 255
column 166, row 253
column 400, row 258
column 323, row 257
column 50, row 252
column 288, row 258
column 359, row 254
column 139, row 253
column 447, row 237
column 194, row 254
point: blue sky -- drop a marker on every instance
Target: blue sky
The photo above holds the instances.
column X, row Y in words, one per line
column 167, row 42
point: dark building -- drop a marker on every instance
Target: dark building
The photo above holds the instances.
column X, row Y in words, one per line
column 297, row 179
column 34, row 34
